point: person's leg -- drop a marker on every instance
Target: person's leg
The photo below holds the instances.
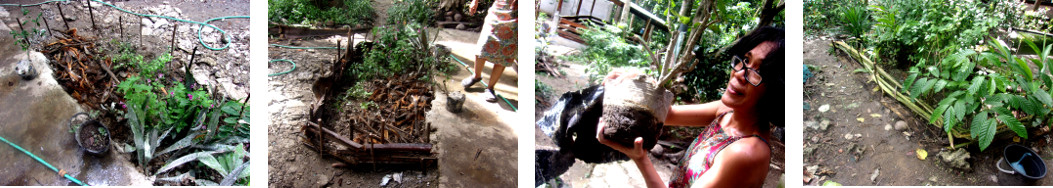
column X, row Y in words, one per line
column 495, row 75
column 479, row 63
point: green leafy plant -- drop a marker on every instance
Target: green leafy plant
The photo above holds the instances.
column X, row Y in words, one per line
column 916, row 31
column 606, row 49
column 411, row 11
column 21, row 35
column 231, row 165
column 989, row 91
column 856, row 20
column 397, row 50
column 349, row 12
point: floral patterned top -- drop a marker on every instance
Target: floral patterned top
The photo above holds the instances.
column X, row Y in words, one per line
column 708, row 143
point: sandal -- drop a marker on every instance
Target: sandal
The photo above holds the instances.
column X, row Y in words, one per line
column 490, row 96
column 468, row 82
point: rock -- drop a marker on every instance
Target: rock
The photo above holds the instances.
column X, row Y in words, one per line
column 874, row 176
column 824, row 124
column 848, row 136
column 824, row 108
column 901, row 125
column 461, row 27
column 808, row 150
column 811, row 124
column 458, row 17
column 957, row 159
column 888, row 127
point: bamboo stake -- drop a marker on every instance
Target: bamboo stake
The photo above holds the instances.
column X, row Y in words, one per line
column 174, row 27
column 24, row 37
column 46, row 25
column 91, row 13
column 63, row 15
column 140, row 32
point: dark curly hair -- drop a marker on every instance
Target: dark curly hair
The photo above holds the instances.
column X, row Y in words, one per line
column 772, row 69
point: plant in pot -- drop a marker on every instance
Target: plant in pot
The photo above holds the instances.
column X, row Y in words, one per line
column 89, row 133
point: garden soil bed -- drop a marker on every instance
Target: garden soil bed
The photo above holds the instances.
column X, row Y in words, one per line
column 80, row 56
column 855, row 143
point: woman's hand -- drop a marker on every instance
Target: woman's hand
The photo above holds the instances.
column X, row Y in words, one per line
column 635, row 153
column 473, row 7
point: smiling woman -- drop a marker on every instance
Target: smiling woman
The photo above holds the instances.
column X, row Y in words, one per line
column 738, row 124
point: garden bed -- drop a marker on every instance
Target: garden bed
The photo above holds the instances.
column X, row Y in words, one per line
column 135, row 76
column 375, row 121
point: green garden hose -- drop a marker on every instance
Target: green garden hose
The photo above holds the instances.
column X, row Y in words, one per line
column 43, row 162
column 484, row 83
column 283, row 72
column 199, row 38
column 290, row 61
column 30, row 5
column 303, row 48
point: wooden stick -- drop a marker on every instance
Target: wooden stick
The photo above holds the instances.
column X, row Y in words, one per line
column 46, row 25
column 120, row 24
column 174, row 27
column 63, row 15
column 140, row 32
column 23, row 30
column 91, row 13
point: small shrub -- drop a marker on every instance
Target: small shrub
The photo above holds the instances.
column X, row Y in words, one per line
column 411, row 11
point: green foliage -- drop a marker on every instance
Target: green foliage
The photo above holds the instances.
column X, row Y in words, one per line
column 226, row 164
column 411, row 11
column 711, row 73
column 991, row 89
column 22, row 34
column 164, row 110
column 817, row 14
column 349, row 12
column 606, row 49
column 856, row 20
column 397, row 50
column 925, row 31
column 357, row 92
column 542, row 89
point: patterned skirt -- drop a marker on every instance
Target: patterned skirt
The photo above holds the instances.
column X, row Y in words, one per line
column 498, row 37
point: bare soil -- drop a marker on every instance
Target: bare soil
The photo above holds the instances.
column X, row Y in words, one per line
column 860, row 145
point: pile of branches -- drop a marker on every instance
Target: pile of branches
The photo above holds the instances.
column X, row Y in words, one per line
column 397, row 114
column 80, row 71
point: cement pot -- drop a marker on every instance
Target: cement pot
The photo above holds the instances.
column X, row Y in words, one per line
column 635, row 107
column 24, row 68
column 455, row 102
column 89, row 133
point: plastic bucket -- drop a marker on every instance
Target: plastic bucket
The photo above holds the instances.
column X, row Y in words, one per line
column 1022, row 160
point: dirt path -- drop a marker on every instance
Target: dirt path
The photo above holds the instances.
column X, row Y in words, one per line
column 855, row 141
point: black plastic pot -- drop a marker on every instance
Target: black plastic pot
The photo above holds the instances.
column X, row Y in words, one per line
column 1023, row 161
column 85, row 129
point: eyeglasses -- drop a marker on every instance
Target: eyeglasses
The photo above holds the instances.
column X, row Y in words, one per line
column 752, row 75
